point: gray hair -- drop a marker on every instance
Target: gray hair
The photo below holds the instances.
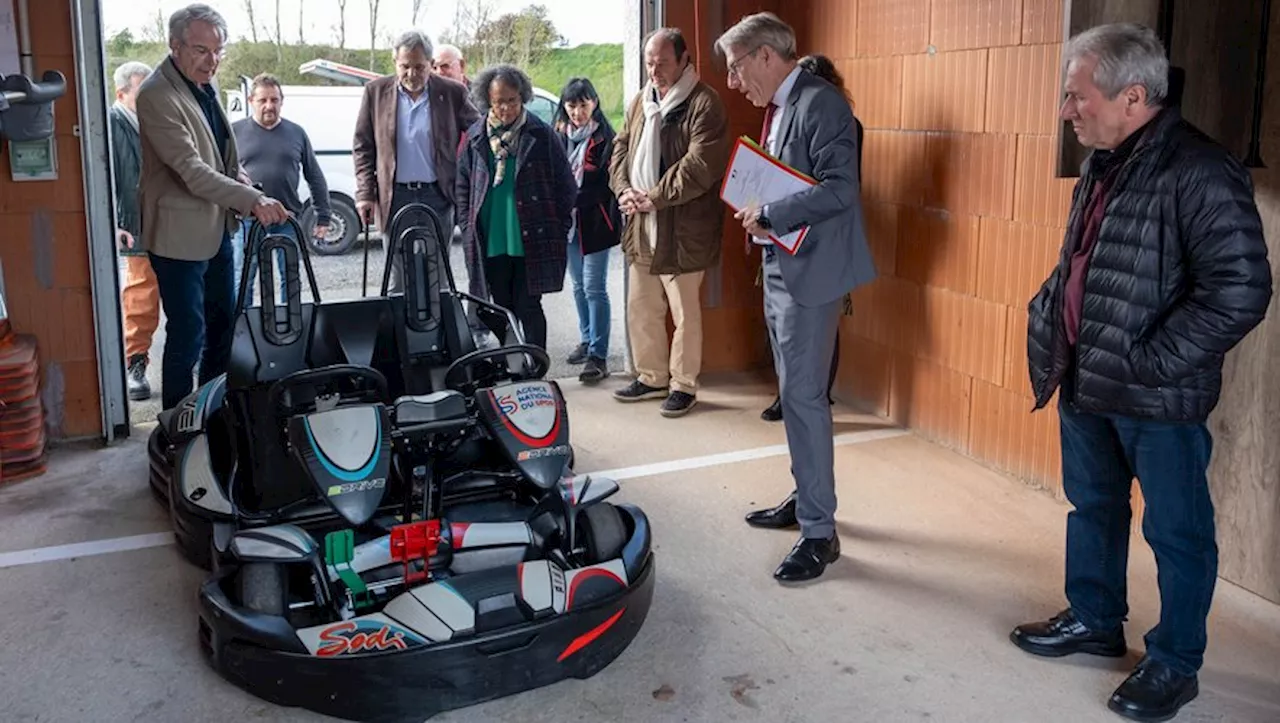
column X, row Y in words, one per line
column 125, row 74
column 198, row 13
column 1127, row 54
column 449, row 48
column 508, row 75
column 413, row 39
column 759, row 30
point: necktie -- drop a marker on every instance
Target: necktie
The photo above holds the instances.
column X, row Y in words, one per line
column 768, row 121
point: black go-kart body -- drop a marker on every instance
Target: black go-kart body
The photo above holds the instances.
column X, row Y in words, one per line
column 389, row 511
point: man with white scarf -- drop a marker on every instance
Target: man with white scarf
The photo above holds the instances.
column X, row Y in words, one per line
column 667, row 165
column 139, row 294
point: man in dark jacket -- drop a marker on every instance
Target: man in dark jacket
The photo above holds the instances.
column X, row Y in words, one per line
column 1163, row 270
column 139, row 294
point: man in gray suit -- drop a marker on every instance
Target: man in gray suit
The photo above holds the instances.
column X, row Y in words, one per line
column 810, row 127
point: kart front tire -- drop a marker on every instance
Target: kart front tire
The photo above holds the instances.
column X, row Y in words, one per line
column 261, row 586
column 603, row 531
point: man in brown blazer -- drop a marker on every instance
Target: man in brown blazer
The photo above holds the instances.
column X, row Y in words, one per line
column 406, row 141
column 189, row 193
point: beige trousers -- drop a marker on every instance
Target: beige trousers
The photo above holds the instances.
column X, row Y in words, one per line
column 648, row 297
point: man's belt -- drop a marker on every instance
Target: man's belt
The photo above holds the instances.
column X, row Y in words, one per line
column 416, row 185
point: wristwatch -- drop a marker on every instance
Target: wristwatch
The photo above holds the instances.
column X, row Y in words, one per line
column 763, row 222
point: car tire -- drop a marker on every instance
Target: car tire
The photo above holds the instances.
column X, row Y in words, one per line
column 344, row 228
column 261, row 587
column 603, row 531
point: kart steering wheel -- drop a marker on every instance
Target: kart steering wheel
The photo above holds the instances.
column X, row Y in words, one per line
column 348, row 380
column 471, row 381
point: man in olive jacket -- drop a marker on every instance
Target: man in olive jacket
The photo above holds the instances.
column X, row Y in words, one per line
column 1163, row 270
column 666, row 170
column 139, row 294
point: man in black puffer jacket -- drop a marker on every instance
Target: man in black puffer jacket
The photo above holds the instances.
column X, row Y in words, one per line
column 1163, row 270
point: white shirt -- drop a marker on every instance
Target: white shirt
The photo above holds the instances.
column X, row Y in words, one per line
column 780, row 100
column 780, row 97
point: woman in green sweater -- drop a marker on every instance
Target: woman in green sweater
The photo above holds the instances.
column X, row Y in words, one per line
column 515, row 193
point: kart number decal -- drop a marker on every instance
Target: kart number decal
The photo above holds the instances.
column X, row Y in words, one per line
column 364, row 635
column 531, row 408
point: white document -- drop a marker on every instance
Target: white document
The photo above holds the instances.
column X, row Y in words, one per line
column 754, row 178
column 8, row 40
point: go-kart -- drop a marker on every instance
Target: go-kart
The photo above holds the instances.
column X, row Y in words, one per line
column 389, row 510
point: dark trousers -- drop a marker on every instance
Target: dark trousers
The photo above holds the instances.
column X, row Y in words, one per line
column 509, row 286
column 426, row 193
column 1101, row 454
column 198, row 298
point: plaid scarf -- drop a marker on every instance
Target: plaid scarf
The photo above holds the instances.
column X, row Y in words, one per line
column 503, row 141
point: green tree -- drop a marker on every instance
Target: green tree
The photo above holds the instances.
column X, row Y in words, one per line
column 121, row 43
column 522, row 38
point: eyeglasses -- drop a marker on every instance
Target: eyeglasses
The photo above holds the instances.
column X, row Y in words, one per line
column 735, row 65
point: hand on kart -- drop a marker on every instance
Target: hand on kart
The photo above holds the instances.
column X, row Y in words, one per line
column 365, row 210
column 270, row 212
column 320, row 231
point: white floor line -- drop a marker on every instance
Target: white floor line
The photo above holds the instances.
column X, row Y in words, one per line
column 742, row 455
column 160, row 539
column 84, row 549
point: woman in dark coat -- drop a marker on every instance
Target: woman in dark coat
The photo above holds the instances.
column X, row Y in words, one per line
column 515, row 192
column 597, row 222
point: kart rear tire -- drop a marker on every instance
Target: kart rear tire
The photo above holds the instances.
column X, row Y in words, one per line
column 603, row 532
column 261, row 587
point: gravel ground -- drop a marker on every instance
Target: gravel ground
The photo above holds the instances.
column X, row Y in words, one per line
column 338, row 277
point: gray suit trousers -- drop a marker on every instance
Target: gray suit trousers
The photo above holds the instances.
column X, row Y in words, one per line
column 803, row 339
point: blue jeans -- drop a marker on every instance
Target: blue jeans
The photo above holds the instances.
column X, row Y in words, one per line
column 1100, row 457
column 590, row 275
column 198, row 298
column 239, row 241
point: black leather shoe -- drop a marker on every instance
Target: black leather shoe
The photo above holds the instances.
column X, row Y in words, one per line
column 1063, row 635
column 808, row 559
column 775, row 518
column 774, row 412
column 1153, row 692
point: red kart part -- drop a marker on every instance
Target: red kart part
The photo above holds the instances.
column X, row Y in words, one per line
column 415, row 541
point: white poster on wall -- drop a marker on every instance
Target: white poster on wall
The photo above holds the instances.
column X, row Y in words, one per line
column 8, row 39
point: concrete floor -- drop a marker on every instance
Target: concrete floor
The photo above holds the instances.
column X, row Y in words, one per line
column 941, row 558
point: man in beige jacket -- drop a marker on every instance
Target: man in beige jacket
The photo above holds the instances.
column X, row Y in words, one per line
column 189, row 194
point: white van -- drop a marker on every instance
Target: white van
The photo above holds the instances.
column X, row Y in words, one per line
column 328, row 115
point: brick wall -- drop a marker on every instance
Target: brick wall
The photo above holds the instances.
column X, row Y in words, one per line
column 43, row 244
column 959, row 101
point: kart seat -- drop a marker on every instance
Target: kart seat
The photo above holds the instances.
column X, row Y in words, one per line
column 435, row 329
column 358, row 331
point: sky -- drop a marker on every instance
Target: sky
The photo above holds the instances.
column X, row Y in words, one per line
column 579, row 21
